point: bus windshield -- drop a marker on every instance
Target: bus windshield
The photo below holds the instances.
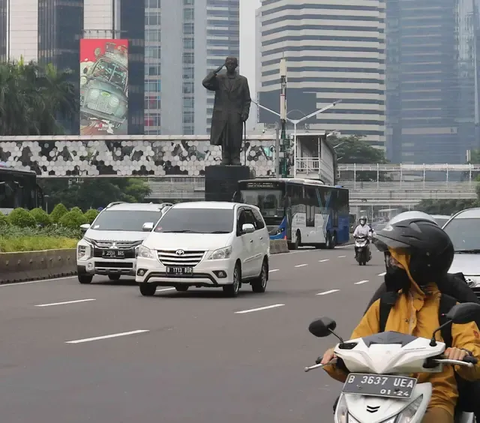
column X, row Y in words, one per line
column 269, row 201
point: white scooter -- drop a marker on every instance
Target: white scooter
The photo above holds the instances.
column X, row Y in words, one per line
column 362, row 250
column 378, row 388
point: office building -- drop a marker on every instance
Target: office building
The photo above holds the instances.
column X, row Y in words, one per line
column 185, row 41
column 432, row 80
column 334, row 50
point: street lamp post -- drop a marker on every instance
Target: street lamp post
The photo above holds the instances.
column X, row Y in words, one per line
column 295, row 122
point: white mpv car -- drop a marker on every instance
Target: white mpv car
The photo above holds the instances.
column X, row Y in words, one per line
column 206, row 244
column 110, row 243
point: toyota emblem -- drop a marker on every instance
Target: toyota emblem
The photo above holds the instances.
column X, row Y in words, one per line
column 179, row 252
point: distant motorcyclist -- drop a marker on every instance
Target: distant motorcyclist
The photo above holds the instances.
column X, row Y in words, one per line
column 362, row 230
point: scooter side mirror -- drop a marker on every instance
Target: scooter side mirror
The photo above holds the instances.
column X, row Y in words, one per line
column 461, row 314
column 322, row 327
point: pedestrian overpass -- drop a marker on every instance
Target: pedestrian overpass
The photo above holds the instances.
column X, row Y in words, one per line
column 175, row 165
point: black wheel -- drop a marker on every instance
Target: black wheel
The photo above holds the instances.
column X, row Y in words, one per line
column 233, row 289
column 259, row 284
column 331, row 241
column 114, row 277
column 85, row 279
column 182, row 288
column 297, row 243
column 148, row 289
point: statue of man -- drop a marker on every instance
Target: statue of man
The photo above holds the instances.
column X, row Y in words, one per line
column 230, row 111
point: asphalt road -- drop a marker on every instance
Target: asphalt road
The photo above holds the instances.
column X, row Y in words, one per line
column 194, row 357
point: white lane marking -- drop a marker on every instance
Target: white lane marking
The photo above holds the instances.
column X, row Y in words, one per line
column 361, row 282
column 342, row 256
column 382, row 274
column 273, row 270
column 4, row 285
column 165, row 289
column 259, row 309
column 66, row 302
column 328, row 292
column 323, row 261
column 301, row 265
column 114, row 335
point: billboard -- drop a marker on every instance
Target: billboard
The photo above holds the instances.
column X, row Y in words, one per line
column 103, row 87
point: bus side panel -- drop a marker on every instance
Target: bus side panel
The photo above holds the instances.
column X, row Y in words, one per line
column 343, row 230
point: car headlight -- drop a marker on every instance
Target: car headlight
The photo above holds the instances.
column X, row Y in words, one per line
column 145, row 252
column 221, row 253
column 342, row 411
column 84, row 250
column 407, row 415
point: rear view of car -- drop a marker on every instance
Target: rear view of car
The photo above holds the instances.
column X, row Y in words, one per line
column 109, row 246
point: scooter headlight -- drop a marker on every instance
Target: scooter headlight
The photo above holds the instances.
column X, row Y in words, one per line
column 341, row 413
column 407, row 415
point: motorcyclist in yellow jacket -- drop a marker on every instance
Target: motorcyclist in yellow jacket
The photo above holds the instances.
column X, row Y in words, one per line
column 418, row 253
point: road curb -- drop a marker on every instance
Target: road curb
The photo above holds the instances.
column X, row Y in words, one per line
column 37, row 265
column 278, row 246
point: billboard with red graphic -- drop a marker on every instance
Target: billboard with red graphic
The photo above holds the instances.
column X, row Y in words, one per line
column 103, row 87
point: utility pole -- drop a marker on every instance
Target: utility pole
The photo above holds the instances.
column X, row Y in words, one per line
column 283, row 113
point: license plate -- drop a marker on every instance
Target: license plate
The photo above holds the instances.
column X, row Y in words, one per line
column 180, row 270
column 388, row 386
column 113, row 254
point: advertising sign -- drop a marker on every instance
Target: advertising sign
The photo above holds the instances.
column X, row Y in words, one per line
column 103, row 87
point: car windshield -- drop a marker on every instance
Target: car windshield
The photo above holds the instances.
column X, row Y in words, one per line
column 465, row 234
column 269, row 201
column 125, row 220
column 201, row 221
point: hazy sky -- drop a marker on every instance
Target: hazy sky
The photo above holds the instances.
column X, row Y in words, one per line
column 247, row 40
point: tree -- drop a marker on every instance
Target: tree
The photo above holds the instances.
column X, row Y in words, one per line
column 92, row 193
column 445, row 207
column 31, row 98
column 353, row 150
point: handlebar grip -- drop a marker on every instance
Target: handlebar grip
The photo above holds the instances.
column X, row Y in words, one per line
column 469, row 359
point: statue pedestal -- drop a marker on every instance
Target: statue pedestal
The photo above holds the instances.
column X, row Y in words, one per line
column 221, row 182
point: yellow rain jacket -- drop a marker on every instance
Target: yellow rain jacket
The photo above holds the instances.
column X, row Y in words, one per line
column 417, row 314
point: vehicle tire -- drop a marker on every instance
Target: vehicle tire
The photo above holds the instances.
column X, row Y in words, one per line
column 148, row 289
column 259, row 285
column 114, row 277
column 233, row 289
column 297, row 243
column 85, row 279
column 182, row 288
column 331, row 241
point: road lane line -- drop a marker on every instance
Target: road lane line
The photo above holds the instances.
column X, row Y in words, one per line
column 66, row 302
column 273, row 270
column 323, row 261
column 114, row 335
column 382, row 274
column 259, row 309
column 328, row 292
column 342, row 256
column 301, row 265
column 36, row 281
column 361, row 282
column 165, row 289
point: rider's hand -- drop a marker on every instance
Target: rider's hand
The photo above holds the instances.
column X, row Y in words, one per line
column 328, row 356
column 455, row 354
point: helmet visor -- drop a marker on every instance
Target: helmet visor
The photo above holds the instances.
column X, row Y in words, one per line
column 384, row 243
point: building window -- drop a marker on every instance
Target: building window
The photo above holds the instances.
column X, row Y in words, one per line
column 188, row 28
column 152, row 35
column 188, row 73
column 188, row 88
column 188, row 103
column 153, row 70
column 188, row 44
column 153, row 86
column 188, row 14
column 188, row 117
column 188, row 2
column 153, row 4
column 188, row 58
column 153, row 119
column 153, row 18
column 153, row 52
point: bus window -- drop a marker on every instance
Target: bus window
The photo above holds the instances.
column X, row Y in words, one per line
column 269, row 201
column 310, row 202
column 295, row 192
column 343, row 201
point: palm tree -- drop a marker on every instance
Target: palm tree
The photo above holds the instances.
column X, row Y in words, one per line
column 33, row 97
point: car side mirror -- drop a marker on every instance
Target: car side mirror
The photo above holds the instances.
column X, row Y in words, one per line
column 322, row 327
column 148, row 226
column 461, row 314
column 248, row 228
column 85, row 227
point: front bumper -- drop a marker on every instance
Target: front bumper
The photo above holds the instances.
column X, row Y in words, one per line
column 99, row 266
column 207, row 273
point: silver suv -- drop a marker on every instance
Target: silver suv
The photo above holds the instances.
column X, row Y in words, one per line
column 109, row 245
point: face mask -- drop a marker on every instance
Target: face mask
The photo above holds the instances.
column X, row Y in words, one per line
column 396, row 279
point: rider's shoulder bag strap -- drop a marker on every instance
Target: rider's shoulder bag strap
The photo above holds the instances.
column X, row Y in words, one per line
column 446, row 304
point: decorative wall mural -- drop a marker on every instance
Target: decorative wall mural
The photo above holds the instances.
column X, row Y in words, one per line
column 127, row 155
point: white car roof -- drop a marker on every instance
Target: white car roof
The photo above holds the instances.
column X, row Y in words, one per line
column 226, row 205
column 473, row 213
column 134, row 207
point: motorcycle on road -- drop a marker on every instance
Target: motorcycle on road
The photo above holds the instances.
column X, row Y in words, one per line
column 378, row 387
column 362, row 250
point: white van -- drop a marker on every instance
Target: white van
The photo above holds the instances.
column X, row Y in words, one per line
column 206, row 244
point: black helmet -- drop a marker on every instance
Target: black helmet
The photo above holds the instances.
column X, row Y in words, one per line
column 430, row 248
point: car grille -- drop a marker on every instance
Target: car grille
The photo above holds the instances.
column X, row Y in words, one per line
column 127, row 246
column 101, row 105
column 172, row 258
